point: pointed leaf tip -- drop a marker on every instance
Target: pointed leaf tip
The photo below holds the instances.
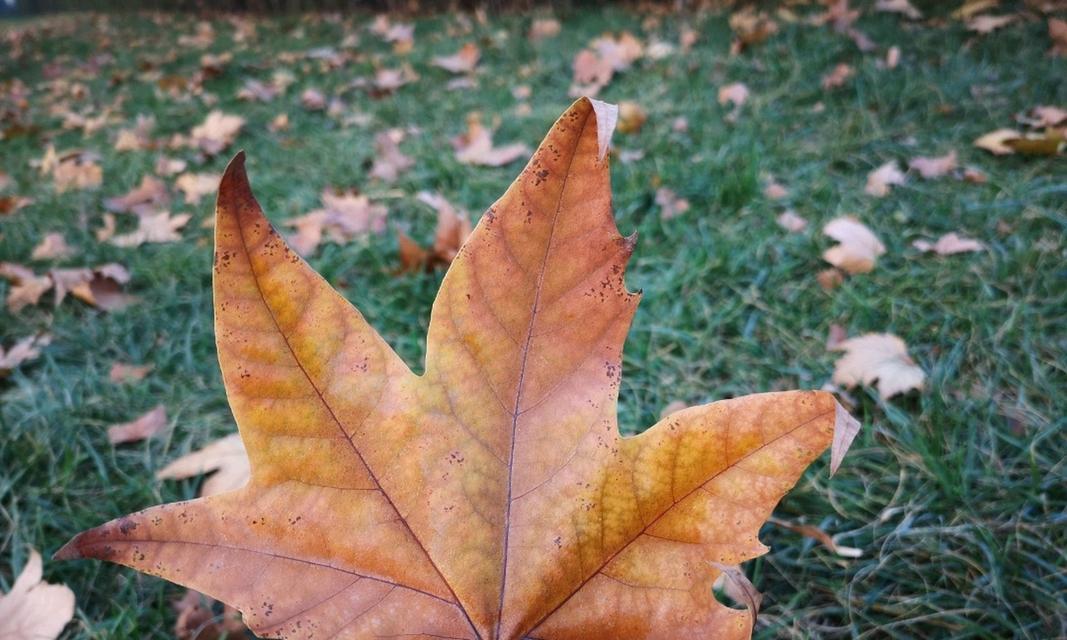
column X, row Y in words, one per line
column 69, row 551
column 846, row 428
column 607, row 116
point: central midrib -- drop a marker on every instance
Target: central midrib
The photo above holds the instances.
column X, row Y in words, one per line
column 522, row 371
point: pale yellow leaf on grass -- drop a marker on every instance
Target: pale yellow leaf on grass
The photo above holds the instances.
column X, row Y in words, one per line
column 881, row 179
column 859, row 248
column 33, row 609
column 52, row 247
column 225, row 459
column 949, row 244
column 934, row 167
column 995, row 141
column 880, row 357
column 143, row 427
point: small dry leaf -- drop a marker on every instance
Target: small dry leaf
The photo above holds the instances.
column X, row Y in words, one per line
column 143, row 427
column 452, row 230
column 974, row 175
column 838, row 76
column 543, row 28
column 1050, row 142
column 154, row 228
column 971, row 8
column 147, row 197
column 892, row 57
column 1057, row 32
column 77, row 173
column 122, row 372
column 790, row 221
column 735, row 94
column 52, row 247
column 11, row 204
column 632, row 117
column 197, row 620
column 859, row 248
column 818, row 535
column 24, row 349
column 880, row 357
column 217, row 132
column 137, row 138
column 389, row 161
column 170, row 166
column 670, row 205
column 34, row 609
column 988, row 24
column 279, row 123
column 313, row 99
column 750, row 28
column 343, row 217
column 196, row 185
column 100, row 287
column 881, row 179
column 591, row 73
column 463, row 61
column 1044, row 116
column 389, row 80
column 995, row 141
column 934, row 167
column 775, row 191
column 476, row 146
column 835, row 336
column 949, row 244
column 898, row 6
column 225, row 459
column 830, row 279
column 26, row 286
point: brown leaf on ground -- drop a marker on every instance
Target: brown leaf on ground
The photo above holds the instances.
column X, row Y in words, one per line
column 790, row 221
column 389, row 80
column 476, row 146
column 197, row 619
column 122, row 372
column 838, row 76
column 154, row 228
column 26, row 286
column 52, row 247
column 859, row 248
column 670, row 205
column 818, row 535
column 279, row 123
column 1050, row 142
column 591, row 73
column 11, row 204
column 750, row 28
column 949, row 244
column 735, row 94
column 462, row 61
column 903, row 7
column 313, row 99
column 1044, row 116
column 389, row 161
column 343, row 217
column 138, row 137
column 1057, row 32
column 170, row 166
column 892, row 57
column 101, row 287
column 34, row 609
column 143, row 427
column 24, row 349
column 452, row 229
column 881, row 179
column 995, row 141
column 880, row 357
column 224, row 461
column 830, row 279
column 80, row 172
column 147, row 197
column 217, row 132
column 632, row 117
column 196, row 185
column 988, row 24
column 774, row 190
column 542, row 29
column 936, row 167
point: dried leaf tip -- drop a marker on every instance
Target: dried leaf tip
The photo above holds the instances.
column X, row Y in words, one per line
column 846, row 428
column 607, row 116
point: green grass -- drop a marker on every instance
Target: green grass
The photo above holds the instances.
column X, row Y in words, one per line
column 956, row 495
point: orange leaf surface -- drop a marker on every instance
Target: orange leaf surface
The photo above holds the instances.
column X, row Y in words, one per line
column 492, row 496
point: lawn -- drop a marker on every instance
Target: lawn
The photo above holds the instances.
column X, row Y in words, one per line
column 955, row 493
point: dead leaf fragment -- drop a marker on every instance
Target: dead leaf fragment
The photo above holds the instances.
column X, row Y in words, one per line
column 476, row 146
column 859, row 248
column 52, row 247
column 196, row 185
column 122, row 373
column 995, row 141
column 343, row 217
column 988, row 24
column 543, row 28
column 632, row 117
column 791, row 222
column 224, row 459
column 838, row 76
column 670, row 205
column 24, row 349
column 26, row 286
column 453, row 227
column 1057, row 32
column 147, row 197
column 34, row 609
column 936, row 167
column 11, row 204
column 217, row 132
column 815, row 533
column 903, row 7
column 197, row 620
column 155, row 228
column 881, row 179
column 880, row 357
column 143, row 427
column 312, row 99
column 949, row 244
column 462, row 61
column 735, row 94
column 389, row 161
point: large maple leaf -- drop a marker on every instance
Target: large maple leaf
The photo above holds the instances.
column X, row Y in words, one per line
column 491, row 496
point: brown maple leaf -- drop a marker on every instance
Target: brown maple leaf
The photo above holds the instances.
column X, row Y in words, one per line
column 35, row 609
column 492, row 496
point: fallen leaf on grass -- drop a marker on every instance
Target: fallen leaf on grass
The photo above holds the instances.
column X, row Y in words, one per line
column 465, row 490
column 1057, row 32
column 735, row 94
column 143, row 199
column 101, row 287
column 881, row 179
column 930, row 168
column 859, row 248
column 817, row 534
column 670, row 205
column 595, row 66
column 750, row 28
column 389, row 161
column 343, row 217
column 11, row 204
column 632, row 117
column 949, row 244
column 389, row 80
column 880, row 357
column 80, row 172
column 156, row 228
column 196, row 185
column 451, row 232
column 197, row 619
column 1043, row 116
column 898, row 6
column 27, row 348
column 790, row 221
column 988, row 24
column 26, row 286
column 170, row 166
column 217, row 132
column 774, row 190
column 122, row 372
column 313, row 99
column 1047, row 143
column 224, row 459
column 542, row 29
column 476, row 146
column 994, row 141
column 143, row 427
column 892, row 57
column 138, row 137
column 837, row 77
column 34, row 609
column 462, row 61
column 52, row 247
